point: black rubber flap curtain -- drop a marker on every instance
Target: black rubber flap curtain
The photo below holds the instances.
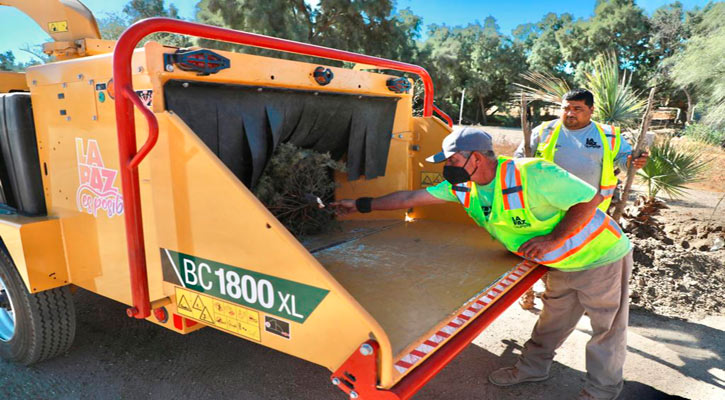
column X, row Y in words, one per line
column 243, row 125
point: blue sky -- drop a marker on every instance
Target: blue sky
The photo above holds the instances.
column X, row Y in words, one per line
column 16, row 29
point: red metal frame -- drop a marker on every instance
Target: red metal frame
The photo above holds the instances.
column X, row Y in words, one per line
column 359, row 374
column 444, row 115
column 130, row 158
column 366, row 371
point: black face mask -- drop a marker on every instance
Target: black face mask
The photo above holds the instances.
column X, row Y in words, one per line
column 456, row 175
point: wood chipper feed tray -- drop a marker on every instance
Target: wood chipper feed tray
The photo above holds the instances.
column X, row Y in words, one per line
column 411, row 276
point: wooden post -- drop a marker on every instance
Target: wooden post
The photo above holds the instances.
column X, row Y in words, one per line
column 525, row 126
column 631, row 171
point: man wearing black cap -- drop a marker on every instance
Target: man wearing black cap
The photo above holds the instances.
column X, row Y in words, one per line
column 542, row 213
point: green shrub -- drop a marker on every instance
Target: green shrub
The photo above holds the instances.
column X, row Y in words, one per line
column 671, row 167
column 706, row 134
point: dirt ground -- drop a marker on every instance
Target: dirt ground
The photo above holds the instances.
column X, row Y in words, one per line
column 680, row 262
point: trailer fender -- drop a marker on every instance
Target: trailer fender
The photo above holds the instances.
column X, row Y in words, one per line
column 36, row 248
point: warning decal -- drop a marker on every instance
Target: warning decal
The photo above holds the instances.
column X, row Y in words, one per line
column 218, row 313
column 430, row 178
column 58, row 26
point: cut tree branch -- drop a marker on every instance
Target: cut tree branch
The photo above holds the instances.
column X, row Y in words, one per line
column 631, row 170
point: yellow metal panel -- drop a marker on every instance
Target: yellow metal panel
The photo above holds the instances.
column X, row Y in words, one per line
column 191, row 202
column 76, row 135
column 202, row 209
column 36, row 247
column 12, row 81
column 430, row 133
column 247, row 69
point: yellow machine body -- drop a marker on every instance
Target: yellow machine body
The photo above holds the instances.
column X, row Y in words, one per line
column 397, row 277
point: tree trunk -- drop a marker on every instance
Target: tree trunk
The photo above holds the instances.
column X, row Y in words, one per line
column 483, row 109
column 525, row 126
column 690, row 107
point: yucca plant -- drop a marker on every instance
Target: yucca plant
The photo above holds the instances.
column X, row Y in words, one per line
column 615, row 101
column 670, row 168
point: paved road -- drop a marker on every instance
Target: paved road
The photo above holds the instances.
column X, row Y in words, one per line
column 115, row 357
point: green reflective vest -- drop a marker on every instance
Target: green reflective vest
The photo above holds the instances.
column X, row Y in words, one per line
column 512, row 223
column 612, row 141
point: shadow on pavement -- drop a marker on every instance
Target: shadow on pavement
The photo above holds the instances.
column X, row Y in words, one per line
column 700, row 348
column 460, row 381
column 115, row 357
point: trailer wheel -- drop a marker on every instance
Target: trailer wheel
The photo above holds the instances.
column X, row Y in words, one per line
column 33, row 327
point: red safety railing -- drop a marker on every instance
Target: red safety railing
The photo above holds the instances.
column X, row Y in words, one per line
column 444, row 115
column 423, row 373
column 125, row 124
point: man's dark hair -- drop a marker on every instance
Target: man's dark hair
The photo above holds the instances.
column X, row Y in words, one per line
column 579, row 95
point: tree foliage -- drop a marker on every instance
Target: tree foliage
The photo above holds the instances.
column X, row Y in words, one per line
column 8, row 63
column 112, row 25
column 477, row 58
column 701, row 64
column 615, row 101
column 367, row 26
column 676, row 49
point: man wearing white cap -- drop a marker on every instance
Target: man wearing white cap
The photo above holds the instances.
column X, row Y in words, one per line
column 542, row 213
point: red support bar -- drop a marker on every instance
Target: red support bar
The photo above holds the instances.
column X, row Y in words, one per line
column 417, row 378
column 444, row 115
column 130, row 158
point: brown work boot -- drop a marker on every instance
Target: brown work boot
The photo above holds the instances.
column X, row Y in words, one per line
column 510, row 376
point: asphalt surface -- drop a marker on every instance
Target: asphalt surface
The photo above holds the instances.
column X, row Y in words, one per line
column 115, row 357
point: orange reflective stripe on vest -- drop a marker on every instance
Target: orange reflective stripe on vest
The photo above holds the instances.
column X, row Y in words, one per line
column 581, row 237
column 463, row 192
column 513, row 196
column 612, row 138
column 607, row 191
column 548, row 132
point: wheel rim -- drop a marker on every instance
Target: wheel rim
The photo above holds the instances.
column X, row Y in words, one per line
column 7, row 314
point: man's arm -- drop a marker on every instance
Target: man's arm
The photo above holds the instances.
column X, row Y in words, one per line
column 519, row 153
column 575, row 217
column 624, row 157
column 393, row 201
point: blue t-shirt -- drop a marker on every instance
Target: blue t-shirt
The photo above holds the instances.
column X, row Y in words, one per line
column 580, row 151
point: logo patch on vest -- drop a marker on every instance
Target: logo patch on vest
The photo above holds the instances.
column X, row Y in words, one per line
column 520, row 223
column 590, row 143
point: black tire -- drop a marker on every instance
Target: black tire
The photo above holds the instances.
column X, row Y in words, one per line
column 45, row 322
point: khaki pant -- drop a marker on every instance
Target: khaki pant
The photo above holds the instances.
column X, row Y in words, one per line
column 603, row 293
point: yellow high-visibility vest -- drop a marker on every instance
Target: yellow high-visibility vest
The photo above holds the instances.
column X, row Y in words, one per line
column 612, row 141
column 512, row 223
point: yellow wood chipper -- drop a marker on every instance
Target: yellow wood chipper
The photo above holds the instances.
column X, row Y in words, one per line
column 127, row 172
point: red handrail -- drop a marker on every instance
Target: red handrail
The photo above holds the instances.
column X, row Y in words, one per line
column 417, row 378
column 130, row 158
column 444, row 115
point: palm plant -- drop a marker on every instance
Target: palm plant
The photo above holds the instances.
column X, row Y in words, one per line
column 670, row 168
column 543, row 86
column 615, row 101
